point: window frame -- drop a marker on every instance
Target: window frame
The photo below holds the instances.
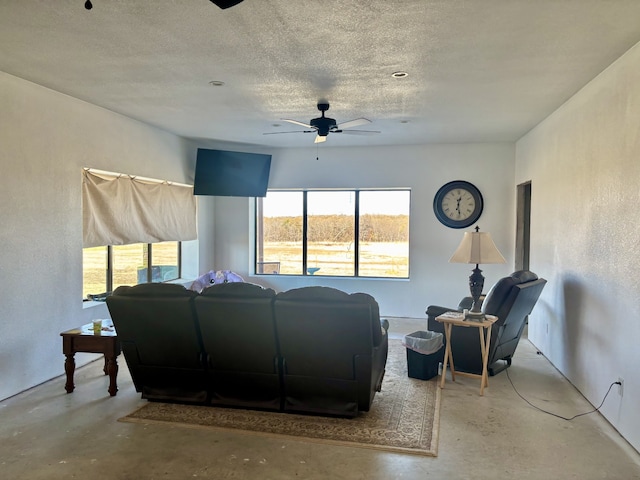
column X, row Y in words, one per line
column 258, row 211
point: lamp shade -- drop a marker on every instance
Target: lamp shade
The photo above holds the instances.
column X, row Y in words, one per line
column 477, row 247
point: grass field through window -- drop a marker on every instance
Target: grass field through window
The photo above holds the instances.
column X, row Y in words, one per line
column 127, row 260
column 377, row 259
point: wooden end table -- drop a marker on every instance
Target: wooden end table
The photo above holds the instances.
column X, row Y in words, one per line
column 83, row 339
column 449, row 319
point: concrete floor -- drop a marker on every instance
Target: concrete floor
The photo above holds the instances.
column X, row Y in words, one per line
column 48, row 434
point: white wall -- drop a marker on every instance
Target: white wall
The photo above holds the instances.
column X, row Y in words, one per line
column 584, row 164
column 422, row 168
column 45, row 140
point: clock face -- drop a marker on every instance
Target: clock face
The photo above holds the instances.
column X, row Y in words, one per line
column 458, row 204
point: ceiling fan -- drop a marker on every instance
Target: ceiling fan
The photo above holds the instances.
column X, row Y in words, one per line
column 322, row 126
column 226, row 3
column 220, row 3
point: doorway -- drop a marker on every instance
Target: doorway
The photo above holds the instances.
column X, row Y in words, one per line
column 523, row 226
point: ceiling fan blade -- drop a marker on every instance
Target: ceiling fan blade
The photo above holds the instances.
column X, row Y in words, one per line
column 358, row 132
column 295, row 122
column 293, row 131
column 320, row 139
column 354, row 123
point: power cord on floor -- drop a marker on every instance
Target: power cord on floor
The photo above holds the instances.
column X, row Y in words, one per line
column 555, row 414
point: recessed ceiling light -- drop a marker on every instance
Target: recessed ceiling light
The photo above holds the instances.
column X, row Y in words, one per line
column 216, row 83
column 399, row 74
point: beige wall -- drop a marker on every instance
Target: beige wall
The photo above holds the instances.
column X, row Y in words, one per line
column 46, row 138
column 584, row 165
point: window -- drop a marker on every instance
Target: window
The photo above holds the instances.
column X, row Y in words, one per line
column 132, row 229
column 95, row 266
column 347, row 233
column 106, row 268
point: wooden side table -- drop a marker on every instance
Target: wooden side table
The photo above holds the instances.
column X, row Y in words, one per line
column 83, row 339
column 449, row 319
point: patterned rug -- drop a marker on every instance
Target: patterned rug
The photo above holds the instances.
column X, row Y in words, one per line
column 404, row 416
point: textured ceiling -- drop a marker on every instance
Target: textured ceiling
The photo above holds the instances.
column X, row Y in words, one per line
column 478, row 70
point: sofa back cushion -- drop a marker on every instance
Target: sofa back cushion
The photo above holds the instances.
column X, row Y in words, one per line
column 238, row 330
column 501, row 296
column 321, row 330
column 158, row 318
column 337, row 297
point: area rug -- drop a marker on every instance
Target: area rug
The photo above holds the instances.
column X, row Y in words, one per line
column 404, row 416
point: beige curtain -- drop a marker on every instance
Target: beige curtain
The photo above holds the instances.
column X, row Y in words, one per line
column 120, row 209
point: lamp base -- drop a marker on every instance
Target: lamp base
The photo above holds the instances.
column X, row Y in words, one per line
column 476, row 284
column 474, row 316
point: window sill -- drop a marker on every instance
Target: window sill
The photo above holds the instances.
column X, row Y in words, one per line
column 91, row 304
column 339, row 277
column 186, row 283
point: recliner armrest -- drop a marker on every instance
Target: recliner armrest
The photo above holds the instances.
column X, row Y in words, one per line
column 434, row 311
column 384, row 323
column 467, row 302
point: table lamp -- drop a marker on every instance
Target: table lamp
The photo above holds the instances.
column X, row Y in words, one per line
column 476, row 247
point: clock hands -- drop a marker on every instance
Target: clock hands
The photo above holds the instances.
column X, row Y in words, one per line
column 456, row 213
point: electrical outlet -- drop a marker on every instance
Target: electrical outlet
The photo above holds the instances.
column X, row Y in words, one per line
column 621, row 386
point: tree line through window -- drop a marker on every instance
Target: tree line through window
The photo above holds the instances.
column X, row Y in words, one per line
column 362, row 233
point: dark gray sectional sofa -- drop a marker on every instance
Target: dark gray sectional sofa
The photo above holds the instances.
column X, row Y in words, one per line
column 313, row 349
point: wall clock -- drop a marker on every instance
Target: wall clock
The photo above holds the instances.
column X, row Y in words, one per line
column 458, row 204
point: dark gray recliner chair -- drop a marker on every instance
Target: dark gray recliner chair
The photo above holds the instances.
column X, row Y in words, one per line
column 239, row 336
column 511, row 299
column 334, row 350
column 160, row 338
